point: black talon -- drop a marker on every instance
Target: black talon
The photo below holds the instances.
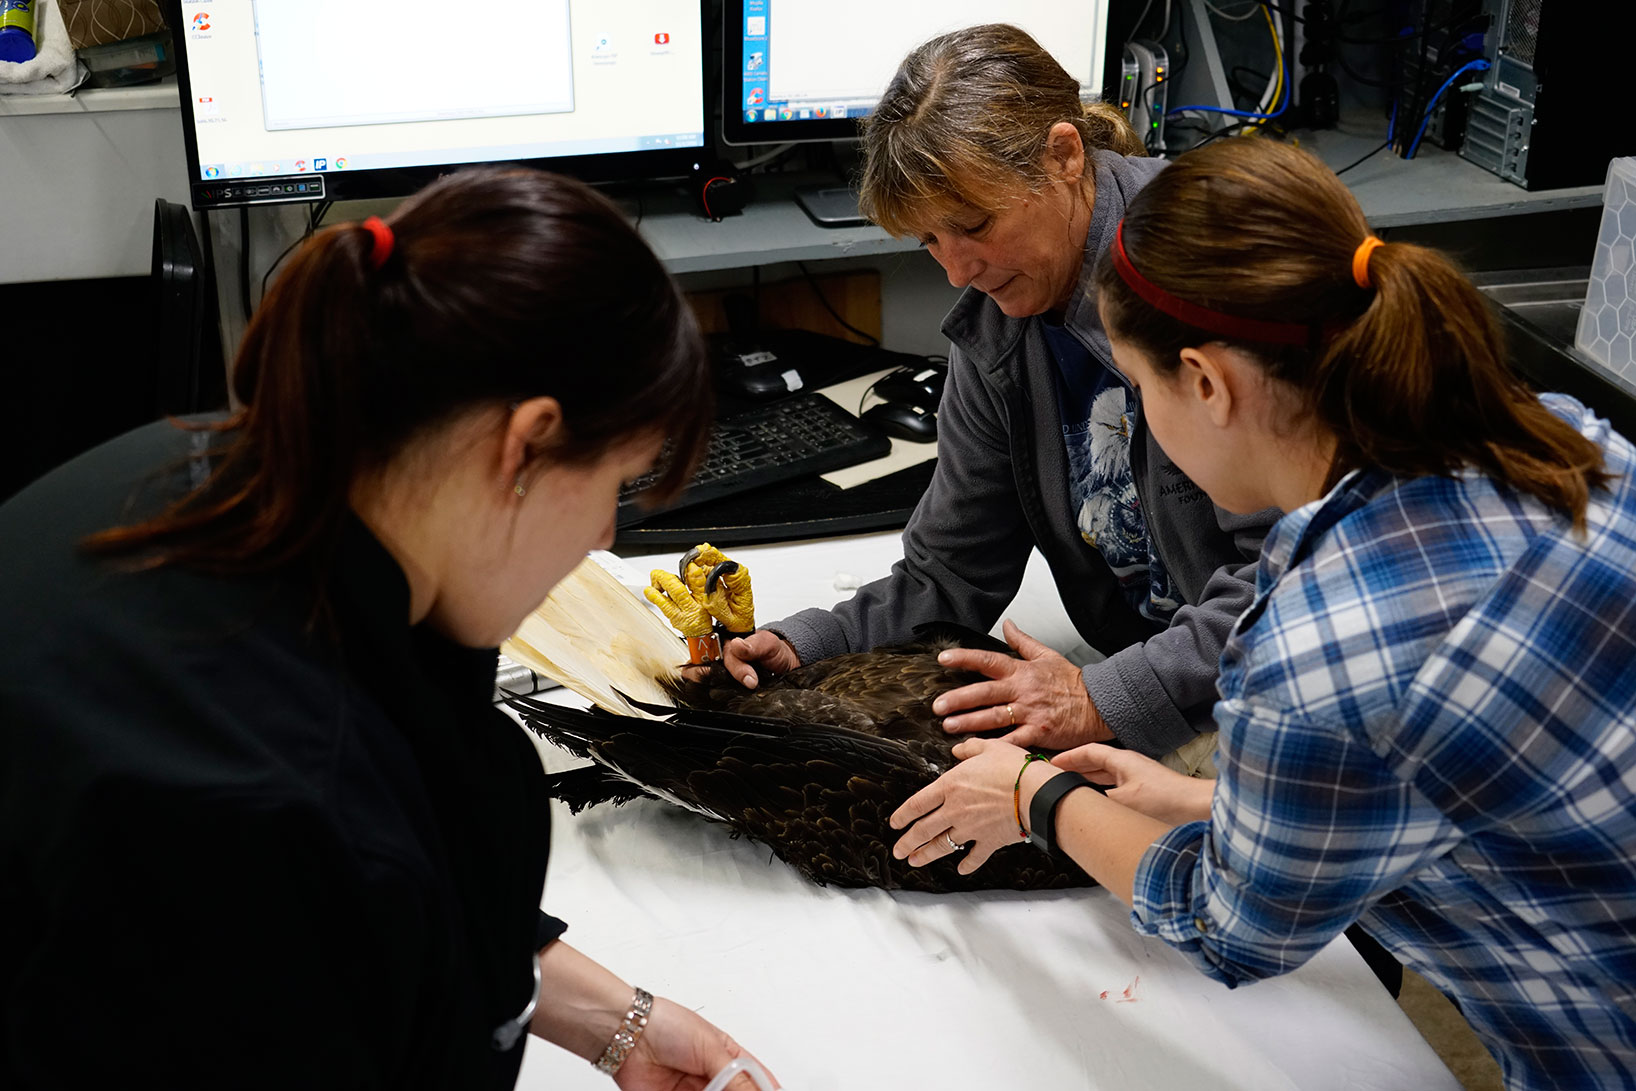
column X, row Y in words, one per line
column 725, row 568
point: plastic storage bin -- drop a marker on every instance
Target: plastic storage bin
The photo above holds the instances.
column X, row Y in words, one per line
column 1607, row 324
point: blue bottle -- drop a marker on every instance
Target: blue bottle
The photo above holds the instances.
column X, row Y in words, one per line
column 17, row 30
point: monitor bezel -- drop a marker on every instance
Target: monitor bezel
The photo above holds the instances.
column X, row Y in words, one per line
column 737, row 131
column 388, row 182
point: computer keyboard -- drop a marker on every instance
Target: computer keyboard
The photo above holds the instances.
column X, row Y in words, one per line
column 797, row 436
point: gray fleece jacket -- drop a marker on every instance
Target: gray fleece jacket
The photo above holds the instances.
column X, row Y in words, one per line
column 1001, row 487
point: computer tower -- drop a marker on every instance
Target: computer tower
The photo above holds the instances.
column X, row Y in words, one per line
column 1554, row 105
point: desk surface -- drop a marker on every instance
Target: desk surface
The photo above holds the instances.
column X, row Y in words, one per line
column 845, row 990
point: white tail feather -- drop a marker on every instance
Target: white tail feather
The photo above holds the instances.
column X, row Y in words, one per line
column 598, row 638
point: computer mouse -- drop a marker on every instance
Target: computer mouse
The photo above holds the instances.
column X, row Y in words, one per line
column 909, row 422
column 922, row 385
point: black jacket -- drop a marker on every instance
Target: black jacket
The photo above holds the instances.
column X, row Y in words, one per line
column 238, row 848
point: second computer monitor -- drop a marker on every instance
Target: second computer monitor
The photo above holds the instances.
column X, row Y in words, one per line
column 795, row 70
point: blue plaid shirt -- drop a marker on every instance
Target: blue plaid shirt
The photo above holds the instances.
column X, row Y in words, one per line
column 1428, row 723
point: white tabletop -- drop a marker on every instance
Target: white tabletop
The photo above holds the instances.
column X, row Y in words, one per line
column 840, row 990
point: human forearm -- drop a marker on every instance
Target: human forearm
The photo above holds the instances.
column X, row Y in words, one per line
column 581, row 1002
column 1142, row 784
column 1105, row 838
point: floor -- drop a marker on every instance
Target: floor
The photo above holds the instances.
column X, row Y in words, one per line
column 1441, row 1024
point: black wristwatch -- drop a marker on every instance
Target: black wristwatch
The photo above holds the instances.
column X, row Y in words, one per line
column 1042, row 812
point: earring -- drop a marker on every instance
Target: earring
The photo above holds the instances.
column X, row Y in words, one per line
column 518, row 487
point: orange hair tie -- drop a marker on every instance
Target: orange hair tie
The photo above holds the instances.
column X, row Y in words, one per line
column 1360, row 260
column 384, row 241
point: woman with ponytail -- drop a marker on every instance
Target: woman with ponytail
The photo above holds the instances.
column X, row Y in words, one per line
column 261, row 825
column 1428, row 714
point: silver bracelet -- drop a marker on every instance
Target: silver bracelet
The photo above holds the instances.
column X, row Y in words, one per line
column 624, row 1039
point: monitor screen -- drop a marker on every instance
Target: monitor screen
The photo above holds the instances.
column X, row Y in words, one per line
column 801, row 71
column 302, row 100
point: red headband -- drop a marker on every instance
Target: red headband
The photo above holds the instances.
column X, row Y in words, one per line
column 383, row 241
column 1242, row 329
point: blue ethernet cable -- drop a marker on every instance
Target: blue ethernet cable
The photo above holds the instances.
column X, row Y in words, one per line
column 1478, row 65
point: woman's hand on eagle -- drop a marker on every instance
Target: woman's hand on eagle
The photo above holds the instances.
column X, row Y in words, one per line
column 1041, row 696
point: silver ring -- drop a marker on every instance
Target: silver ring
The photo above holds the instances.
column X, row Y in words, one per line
column 952, row 846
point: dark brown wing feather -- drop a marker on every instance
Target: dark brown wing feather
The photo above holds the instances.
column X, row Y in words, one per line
column 811, row 764
column 818, row 796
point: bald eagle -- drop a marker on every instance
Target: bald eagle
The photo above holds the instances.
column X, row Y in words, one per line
column 810, row 763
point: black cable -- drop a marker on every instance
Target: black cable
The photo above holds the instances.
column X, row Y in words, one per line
column 1145, row 96
column 868, row 390
column 1140, row 19
column 268, row 275
column 1231, row 130
column 1212, row 133
column 1363, row 159
column 1147, row 138
column 833, row 313
column 315, row 216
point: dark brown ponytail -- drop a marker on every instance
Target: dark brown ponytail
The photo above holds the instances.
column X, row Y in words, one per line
column 1408, row 373
column 499, row 286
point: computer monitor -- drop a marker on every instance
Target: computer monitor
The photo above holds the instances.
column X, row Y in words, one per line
column 794, row 70
column 312, row 100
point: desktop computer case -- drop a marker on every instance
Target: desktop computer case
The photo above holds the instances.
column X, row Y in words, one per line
column 1536, row 121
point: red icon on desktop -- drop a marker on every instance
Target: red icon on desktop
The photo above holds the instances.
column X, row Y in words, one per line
column 300, row 165
column 661, row 38
column 201, row 21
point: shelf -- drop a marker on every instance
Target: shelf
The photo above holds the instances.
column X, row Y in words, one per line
column 96, row 100
column 1436, row 186
column 771, row 229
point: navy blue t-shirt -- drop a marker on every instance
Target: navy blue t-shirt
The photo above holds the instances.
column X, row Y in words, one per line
column 1098, row 410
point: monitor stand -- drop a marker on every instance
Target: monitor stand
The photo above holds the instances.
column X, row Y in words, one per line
column 830, row 206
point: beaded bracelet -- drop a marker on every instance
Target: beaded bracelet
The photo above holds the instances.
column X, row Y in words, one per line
column 1016, row 794
column 624, row 1039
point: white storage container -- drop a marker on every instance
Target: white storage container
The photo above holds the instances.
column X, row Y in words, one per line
column 1607, row 324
